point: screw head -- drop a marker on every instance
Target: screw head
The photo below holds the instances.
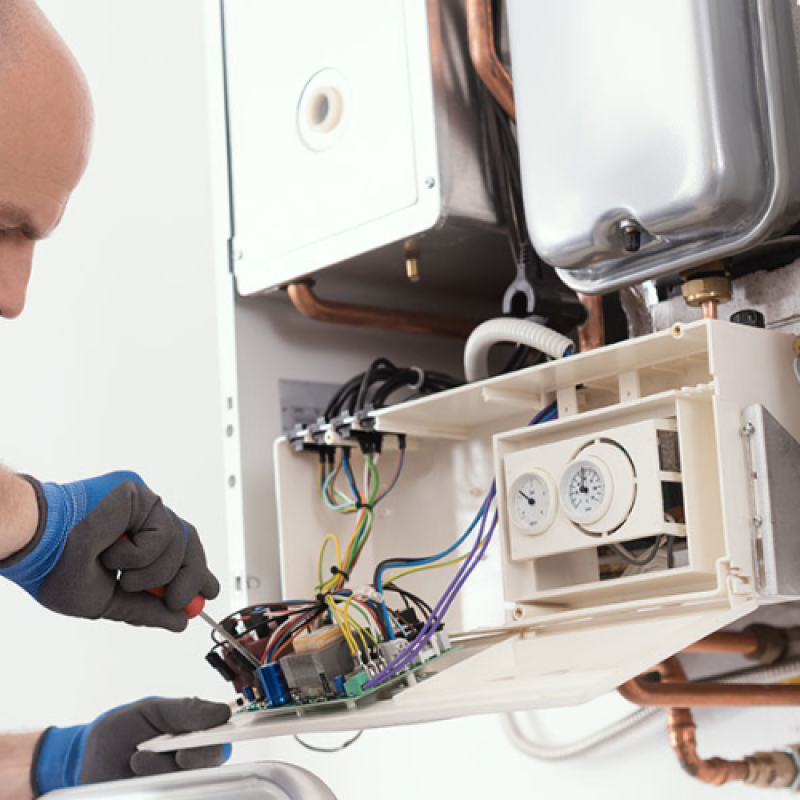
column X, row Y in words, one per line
column 430, row 183
column 518, row 613
column 757, row 521
column 748, row 429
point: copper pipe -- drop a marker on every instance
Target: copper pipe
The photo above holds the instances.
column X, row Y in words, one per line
column 592, row 334
column 708, row 695
column 683, row 737
column 675, row 690
column 746, row 643
column 482, row 50
column 762, row 769
column 386, row 319
column 709, row 309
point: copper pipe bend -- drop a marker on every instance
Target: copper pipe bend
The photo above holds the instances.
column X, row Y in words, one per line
column 386, row 319
column 482, row 50
column 592, row 334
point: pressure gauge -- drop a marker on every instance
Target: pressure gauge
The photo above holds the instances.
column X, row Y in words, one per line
column 587, row 489
column 532, row 502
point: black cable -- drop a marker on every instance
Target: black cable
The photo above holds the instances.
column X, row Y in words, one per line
column 374, row 387
column 404, row 593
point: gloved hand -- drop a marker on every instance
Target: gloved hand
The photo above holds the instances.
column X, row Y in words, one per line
column 78, row 565
column 105, row 750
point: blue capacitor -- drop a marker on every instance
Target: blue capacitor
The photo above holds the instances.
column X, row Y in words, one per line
column 248, row 693
column 273, row 682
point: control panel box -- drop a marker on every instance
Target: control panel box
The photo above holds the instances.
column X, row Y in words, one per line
column 626, row 523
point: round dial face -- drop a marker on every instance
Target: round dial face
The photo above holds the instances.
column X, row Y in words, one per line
column 532, row 501
column 586, row 490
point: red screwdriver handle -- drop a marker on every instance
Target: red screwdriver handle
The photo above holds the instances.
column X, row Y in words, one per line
column 196, row 605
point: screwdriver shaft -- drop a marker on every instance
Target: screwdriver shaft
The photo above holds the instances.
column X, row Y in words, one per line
column 243, row 651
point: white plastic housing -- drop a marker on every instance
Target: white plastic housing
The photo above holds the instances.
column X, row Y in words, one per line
column 564, row 635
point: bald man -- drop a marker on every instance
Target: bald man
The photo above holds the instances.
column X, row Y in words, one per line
column 89, row 548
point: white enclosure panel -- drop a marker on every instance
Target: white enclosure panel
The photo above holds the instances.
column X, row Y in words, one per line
column 333, row 144
column 275, row 342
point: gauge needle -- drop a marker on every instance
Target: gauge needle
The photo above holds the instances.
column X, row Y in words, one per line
column 584, row 489
column 531, row 500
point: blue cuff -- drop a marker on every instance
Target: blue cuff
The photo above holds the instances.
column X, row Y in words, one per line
column 66, row 506
column 97, row 488
column 61, row 758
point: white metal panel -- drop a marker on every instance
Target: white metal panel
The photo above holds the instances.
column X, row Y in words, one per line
column 333, row 144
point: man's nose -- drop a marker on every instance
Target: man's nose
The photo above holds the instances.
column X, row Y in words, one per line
column 15, row 272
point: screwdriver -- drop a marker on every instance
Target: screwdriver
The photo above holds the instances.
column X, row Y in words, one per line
column 195, row 609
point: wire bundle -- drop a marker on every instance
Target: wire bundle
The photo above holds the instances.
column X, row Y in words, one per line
column 361, row 503
column 472, row 559
column 373, row 388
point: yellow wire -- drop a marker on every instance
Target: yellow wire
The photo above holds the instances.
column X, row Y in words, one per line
column 342, row 623
column 358, row 625
column 335, row 540
column 403, row 574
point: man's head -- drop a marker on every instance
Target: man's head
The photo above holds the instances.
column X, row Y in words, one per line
column 45, row 133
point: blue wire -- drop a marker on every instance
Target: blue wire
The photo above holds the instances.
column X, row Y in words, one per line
column 325, row 489
column 421, row 563
column 350, row 478
column 547, row 417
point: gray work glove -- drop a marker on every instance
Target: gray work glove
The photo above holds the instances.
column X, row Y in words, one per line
column 79, row 564
column 105, row 750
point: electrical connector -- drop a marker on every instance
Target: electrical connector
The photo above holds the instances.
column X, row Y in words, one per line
column 391, row 649
column 354, row 685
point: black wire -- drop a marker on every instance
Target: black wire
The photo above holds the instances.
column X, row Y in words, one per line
column 671, row 552
column 373, row 387
column 404, row 593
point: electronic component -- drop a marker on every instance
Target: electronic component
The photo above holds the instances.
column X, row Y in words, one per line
column 273, row 682
column 310, row 675
column 314, row 641
column 390, row 650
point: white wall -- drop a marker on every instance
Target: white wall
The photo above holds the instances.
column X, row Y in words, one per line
column 116, row 365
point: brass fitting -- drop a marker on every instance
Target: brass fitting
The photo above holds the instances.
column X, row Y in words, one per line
column 412, row 261
column 706, row 287
column 796, row 346
column 775, row 770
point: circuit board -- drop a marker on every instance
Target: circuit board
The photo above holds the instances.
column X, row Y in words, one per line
column 405, row 679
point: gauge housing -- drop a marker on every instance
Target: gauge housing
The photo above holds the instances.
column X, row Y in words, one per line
column 538, row 520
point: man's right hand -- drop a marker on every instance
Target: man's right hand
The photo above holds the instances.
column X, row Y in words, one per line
column 79, row 564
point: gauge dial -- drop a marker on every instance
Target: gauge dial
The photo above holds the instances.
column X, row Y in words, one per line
column 586, row 490
column 532, row 501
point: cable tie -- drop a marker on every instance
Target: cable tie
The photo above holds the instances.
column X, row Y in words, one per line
column 360, row 504
column 420, row 378
column 336, row 571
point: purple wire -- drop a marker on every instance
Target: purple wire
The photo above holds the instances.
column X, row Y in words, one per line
column 446, row 600
column 429, row 629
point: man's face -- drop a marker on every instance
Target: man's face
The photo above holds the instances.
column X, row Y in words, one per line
column 45, row 132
